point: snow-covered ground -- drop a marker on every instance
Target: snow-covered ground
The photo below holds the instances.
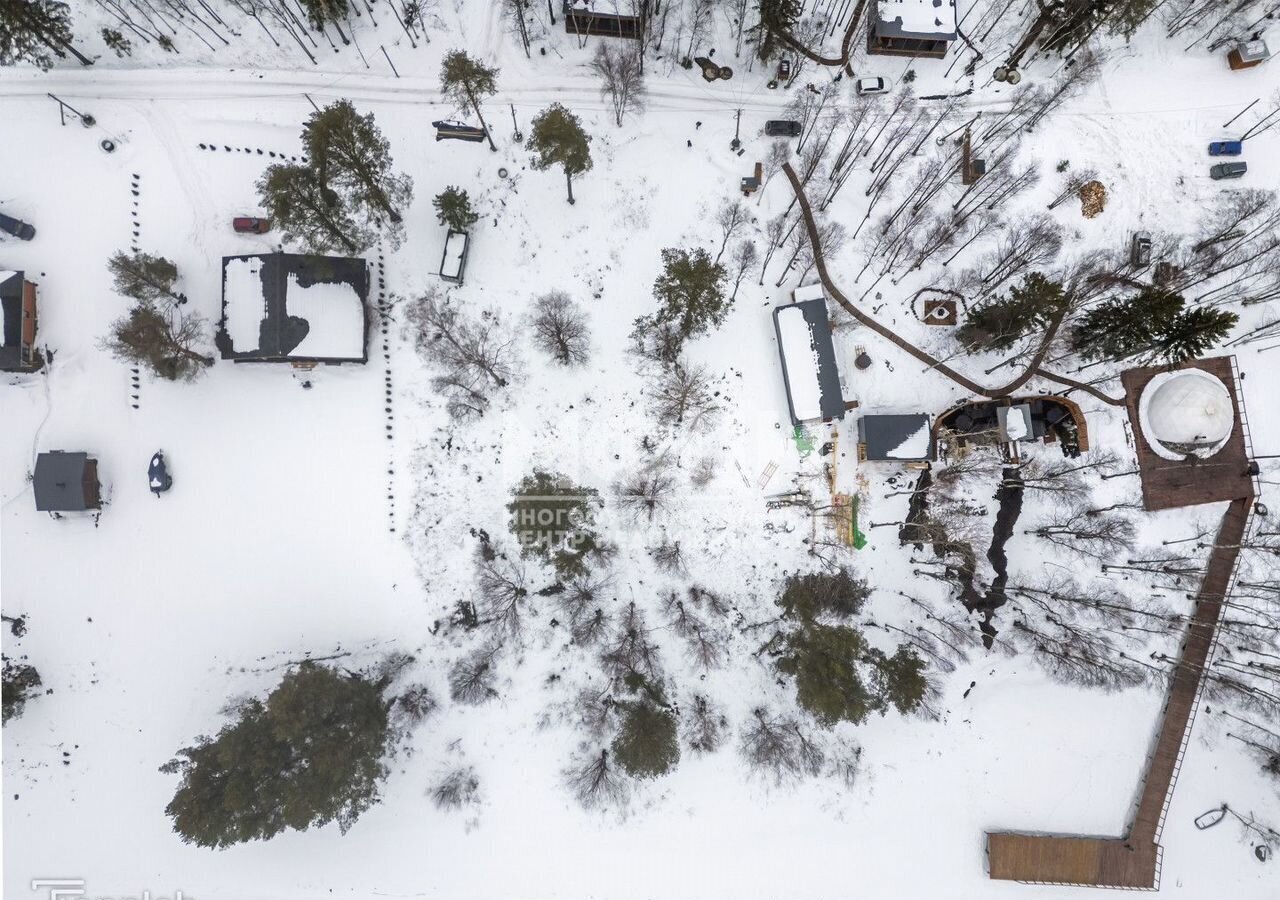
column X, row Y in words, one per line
column 296, row 526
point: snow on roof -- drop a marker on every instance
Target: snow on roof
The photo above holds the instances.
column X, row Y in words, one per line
column 901, row 437
column 808, row 362
column 1015, row 421
column 808, row 292
column 287, row 307
column 916, row 18
column 334, row 316
column 915, row 445
column 455, row 248
column 1186, row 412
column 244, row 302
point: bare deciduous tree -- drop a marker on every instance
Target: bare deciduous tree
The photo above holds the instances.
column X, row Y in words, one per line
column 779, row 747
column 596, row 782
column 705, row 726
column 474, row 354
column 560, row 329
column 731, row 218
column 1099, row 535
column 645, row 492
column 621, row 70
column 501, row 588
column 471, row 680
column 682, row 396
column 456, row 789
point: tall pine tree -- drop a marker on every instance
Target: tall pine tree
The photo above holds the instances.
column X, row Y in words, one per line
column 466, row 81
column 349, row 153
column 307, row 211
column 690, row 292
column 36, row 31
column 1194, row 333
column 1123, row 327
column 1029, row 307
column 558, row 139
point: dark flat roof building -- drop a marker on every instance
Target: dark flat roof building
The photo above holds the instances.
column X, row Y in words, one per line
column 808, row 356
column 66, row 482
column 897, row 438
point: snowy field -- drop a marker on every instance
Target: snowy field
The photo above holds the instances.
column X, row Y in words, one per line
column 298, row 528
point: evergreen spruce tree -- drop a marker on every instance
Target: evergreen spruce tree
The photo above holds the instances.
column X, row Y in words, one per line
column 19, row 684
column 1194, row 333
column 690, row 293
column 646, row 745
column 823, row 659
column 558, row 139
column 161, row 337
column 553, row 518
column 117, row 42
column 1123, row 327
column 36, row 31
column 899, row 680
column 310, row 754
column 144, row 277
column 327, row 12
column 838, row 593
column 307, row 211
column 453, row 208
column 350, row 155
column 1029, row 307
column 466, row 81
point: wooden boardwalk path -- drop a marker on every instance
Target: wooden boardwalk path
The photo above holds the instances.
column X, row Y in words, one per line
column 1134, row 861
column 1032, row 370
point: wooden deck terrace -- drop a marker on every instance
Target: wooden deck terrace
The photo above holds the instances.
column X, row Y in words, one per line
column 1134, row 861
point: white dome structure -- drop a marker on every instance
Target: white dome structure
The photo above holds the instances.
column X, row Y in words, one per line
column 1186, row 413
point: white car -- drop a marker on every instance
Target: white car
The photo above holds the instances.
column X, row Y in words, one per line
column 875, row 85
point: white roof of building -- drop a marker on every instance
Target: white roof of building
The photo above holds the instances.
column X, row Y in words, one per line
column 916, row 19
column 801, row 361
column 1186, row 412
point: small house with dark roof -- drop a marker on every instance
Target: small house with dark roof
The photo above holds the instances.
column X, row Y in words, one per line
column 288, row 307
column 895, row 438
column 809, row 369
column 912, row 28
column 18, row 338
column 66, row 482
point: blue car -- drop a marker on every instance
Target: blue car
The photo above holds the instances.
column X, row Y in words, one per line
column 1226, row 148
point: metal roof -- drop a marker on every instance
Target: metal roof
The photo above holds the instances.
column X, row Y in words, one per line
column 882, row 435
column 59, row 481
column 831, row 394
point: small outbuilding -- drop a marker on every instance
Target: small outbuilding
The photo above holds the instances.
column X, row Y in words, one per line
column 606, row 18
column 287, row 307
column 18, row 337
column 453, row 264
column 809, row 369
column 1248, row 54
column 915, row 28
column 66, row 482
column 895, row 438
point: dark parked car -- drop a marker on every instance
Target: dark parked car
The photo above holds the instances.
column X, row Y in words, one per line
column 1226, row 148
column 782, row 128
column 16, row 227
column 1228, row 170
column 251, row 225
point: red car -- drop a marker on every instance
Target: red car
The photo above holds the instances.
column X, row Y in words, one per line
column 250, row 225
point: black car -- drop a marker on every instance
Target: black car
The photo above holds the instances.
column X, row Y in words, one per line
column 782, row 128
column 16, row 227
column 1228, row 170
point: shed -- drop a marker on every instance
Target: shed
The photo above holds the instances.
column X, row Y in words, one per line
column 912, row 28
column 453, row 264
column 606, row 18
column 18, row 335
column 287, row 307
column 808, row 356
column 1248, row 54
column 896, row 438
column 66, row 482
